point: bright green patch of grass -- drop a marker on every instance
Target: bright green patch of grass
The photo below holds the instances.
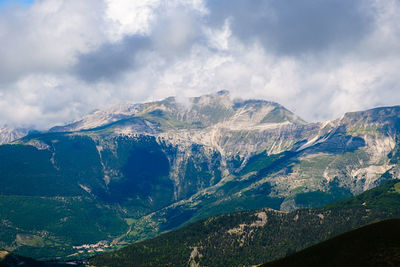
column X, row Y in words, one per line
column 397, row 187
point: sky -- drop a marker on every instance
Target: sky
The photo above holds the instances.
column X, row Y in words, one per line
column 61, row 59
column 15, row 2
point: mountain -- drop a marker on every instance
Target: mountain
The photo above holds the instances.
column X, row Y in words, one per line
column 373, row 245
column 135, row 171
column 100, row 118
column 8, row 259
column 7, row 135
column 249, row 238
column 195, row 113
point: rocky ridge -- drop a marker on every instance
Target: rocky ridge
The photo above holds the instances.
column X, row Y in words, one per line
column 7, row 135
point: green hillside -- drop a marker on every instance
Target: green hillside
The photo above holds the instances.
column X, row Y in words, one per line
column 374, row 245
column 49, row 227
column 253, row 237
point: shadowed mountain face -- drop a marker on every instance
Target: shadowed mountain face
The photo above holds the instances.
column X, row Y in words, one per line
column 8, row 259
column 373, row 245
column 134, row 171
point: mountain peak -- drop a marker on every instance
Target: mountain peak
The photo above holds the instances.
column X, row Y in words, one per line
column 202, row 111
column 8, row 135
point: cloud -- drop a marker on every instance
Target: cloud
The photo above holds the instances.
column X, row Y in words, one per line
column 173, row 34
column 296, row 27
column 47, row 36
column 63, row 58
column 111, row 59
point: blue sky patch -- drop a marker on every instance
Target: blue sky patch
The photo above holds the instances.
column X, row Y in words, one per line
column 16, row 2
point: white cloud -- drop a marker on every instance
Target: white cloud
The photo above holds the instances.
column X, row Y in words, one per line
column 47, row 36
column 63, row 58
column 219, row 38
column 130, row 17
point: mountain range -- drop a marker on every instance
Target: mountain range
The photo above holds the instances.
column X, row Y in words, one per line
column 137, row 170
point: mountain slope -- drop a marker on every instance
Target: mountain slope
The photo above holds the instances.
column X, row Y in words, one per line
column 7, row 135
column 8, row 259
column 197, row 112
column 377, row 244
column 253, row 237
column 144, row 169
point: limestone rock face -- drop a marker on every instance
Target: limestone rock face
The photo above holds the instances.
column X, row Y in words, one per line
column 7, row 135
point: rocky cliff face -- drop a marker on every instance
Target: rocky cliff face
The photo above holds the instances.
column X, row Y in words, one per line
column 156, row 166
column 7, row 135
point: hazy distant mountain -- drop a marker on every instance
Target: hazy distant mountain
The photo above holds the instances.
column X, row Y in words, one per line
column 135, row 171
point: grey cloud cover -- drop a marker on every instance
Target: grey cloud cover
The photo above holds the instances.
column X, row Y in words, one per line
column 173, row 36
column 111, row 60
column 296, row 27
column 319, row 58
column 45, row 36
